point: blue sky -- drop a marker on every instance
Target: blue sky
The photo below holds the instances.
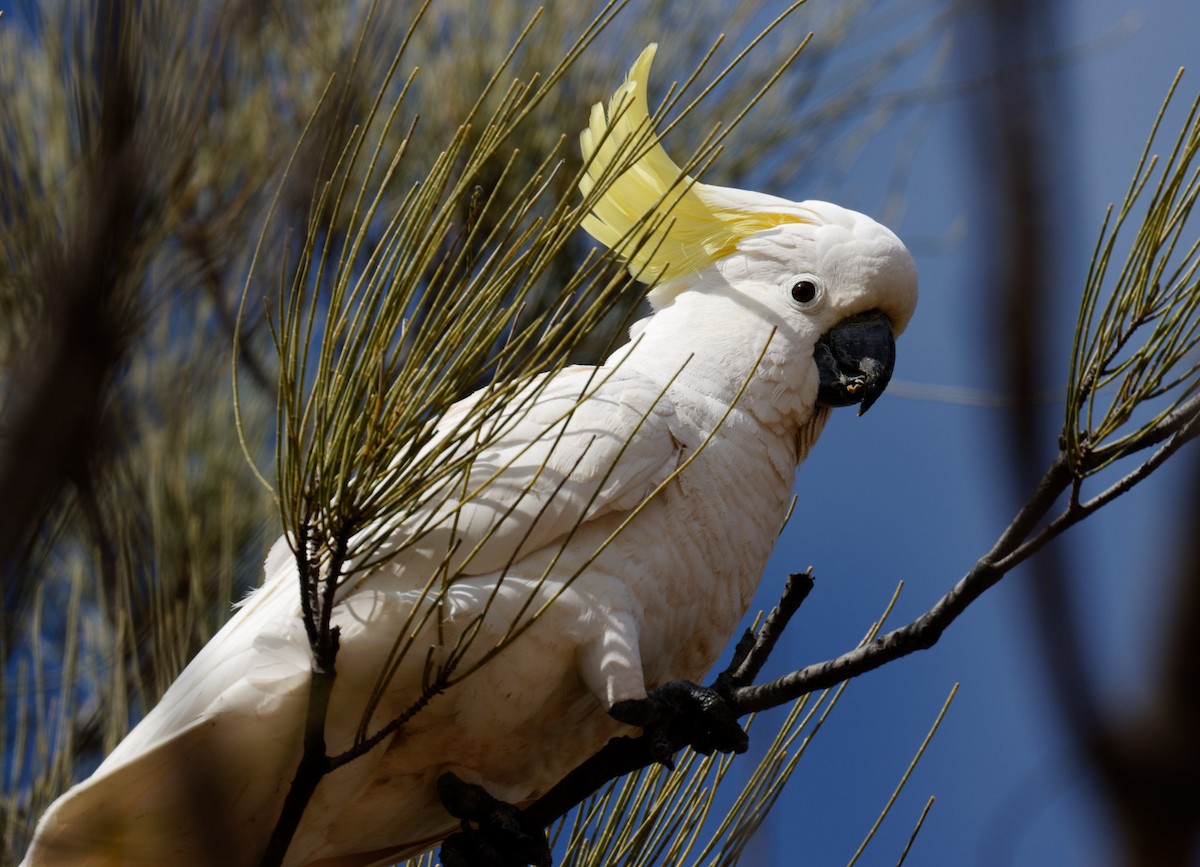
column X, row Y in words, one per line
column 916, row 490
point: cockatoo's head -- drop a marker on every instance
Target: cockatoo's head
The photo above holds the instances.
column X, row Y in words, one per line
column 830, row 280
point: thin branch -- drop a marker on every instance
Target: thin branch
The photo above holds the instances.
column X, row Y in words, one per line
column 1181, row 418
column 753, row 650
column 917, row 830
column 1184, row 425
column 904, row 779
column 315, row 762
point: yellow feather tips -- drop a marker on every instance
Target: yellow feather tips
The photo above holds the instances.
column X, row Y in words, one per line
column 663, row 222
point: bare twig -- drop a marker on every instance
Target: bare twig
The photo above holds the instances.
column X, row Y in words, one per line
column 916, row 830
column 904, row 779
column 752, row 651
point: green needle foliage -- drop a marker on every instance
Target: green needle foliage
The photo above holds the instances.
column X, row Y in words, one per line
column 1135, row 361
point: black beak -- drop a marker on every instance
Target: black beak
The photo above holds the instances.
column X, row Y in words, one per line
column 855, row 360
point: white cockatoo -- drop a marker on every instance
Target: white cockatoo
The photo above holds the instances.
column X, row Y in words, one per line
column 641, row 498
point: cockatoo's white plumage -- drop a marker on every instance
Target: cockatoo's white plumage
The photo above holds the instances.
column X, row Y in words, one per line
column 201, row 779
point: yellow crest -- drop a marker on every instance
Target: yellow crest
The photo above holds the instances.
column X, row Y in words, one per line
column 663, row 222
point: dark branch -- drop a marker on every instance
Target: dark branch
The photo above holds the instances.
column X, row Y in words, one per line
column 924, row 632
column 315, row 762
column 364, row 746
column 620, row 756
column 752, row 651
column 55, row 420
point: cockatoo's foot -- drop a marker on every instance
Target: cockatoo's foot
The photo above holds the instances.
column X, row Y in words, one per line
column 680, row 713
column 493, row 833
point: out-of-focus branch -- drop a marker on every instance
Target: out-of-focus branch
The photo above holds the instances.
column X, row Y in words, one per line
column 1146, row 769
column 1150, row 760
column 58, row 403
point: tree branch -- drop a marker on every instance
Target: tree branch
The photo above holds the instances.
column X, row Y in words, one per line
column 315, row 762
column 924, row 632
column 752, row 651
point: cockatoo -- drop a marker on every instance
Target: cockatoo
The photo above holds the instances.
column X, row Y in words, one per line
column 640, row 499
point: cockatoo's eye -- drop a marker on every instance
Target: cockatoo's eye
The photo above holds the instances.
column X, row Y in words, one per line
column 806, row 292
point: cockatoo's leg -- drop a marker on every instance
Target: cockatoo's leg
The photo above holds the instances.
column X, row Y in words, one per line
column 610, row 662
column 494, row 833
column 680, row 713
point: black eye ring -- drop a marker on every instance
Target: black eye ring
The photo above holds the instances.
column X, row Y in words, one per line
column 804, row 291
